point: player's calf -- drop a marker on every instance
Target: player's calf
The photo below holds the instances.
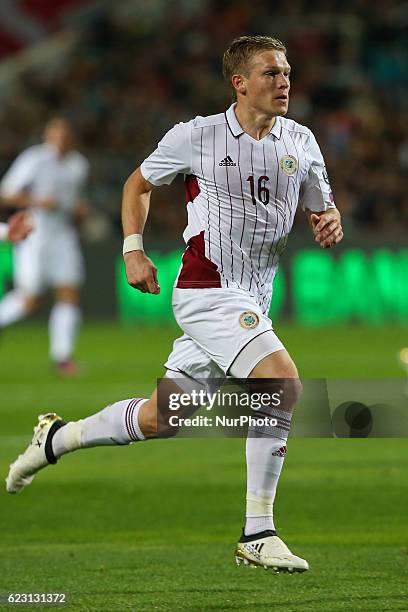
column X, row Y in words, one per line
column 267, row 438
column 155, row 415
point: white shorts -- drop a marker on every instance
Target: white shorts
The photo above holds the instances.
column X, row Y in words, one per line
column 56, row 262
column 217, row 325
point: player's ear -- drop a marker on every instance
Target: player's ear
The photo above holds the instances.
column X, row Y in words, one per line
column 238, row 82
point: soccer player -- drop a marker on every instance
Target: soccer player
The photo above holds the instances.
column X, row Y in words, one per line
column 17, row 228
column 48, row 179
column 246, row 170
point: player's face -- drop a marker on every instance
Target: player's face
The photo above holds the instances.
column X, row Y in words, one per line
column 267, row 84
column 60, row 134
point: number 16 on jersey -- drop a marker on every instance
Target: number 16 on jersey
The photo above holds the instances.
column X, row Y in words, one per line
column 263, row 191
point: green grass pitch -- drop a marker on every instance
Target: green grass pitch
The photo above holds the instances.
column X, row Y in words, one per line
column 153, row 526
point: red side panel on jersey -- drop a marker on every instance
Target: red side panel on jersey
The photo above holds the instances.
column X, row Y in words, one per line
column 197, row 270
column 191, row 187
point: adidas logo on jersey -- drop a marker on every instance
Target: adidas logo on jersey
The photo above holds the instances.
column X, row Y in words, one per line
column 227, row 161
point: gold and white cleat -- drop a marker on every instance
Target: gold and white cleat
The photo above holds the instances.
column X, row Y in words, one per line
column 267, row 550
column 37, row 455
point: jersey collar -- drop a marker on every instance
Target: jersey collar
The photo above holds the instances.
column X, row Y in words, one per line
column 237, row 130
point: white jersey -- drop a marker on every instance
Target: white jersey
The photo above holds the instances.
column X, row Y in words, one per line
column 42, row 173
column 3, row 231
column 242, row 195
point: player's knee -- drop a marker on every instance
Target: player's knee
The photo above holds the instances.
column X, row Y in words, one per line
column 70, row 295
column 275, row 365
column 154, row 423
column 31, row 303
column 287, row 391
column 277, row 373
column 293, row 390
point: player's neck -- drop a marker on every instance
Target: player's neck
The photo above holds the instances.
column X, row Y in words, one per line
column 253, row 122
column 60, row 151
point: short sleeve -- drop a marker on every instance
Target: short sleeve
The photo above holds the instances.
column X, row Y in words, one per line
column 172, row 156
column 315, row 193
column 20, row 174
column 3, row 231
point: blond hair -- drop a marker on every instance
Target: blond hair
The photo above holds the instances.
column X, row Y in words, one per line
column 236, row 58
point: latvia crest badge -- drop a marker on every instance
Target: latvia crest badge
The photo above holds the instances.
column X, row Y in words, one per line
column 248, row 320
column 289, row 164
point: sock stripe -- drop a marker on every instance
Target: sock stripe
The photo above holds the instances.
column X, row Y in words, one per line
column 126, row 418
column 132, row 423
column 278, row 417
column 131, row 428
column 129, row 419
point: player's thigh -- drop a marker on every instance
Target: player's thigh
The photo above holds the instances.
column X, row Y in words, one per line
column 28, row 270
column 259, row 354
column 266, row 363
column 220, row 321
column 190, row 359
column 65, row 266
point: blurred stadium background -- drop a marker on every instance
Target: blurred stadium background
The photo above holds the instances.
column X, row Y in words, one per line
column 127, row 529
column 125, row 72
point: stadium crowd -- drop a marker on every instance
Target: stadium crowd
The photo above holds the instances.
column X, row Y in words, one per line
column 131, row 79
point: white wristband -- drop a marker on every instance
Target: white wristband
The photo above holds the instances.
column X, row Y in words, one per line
column 134, row 242
column 4, row 229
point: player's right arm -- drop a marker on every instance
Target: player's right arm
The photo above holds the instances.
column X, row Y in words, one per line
column 140, row 270
column 171, row 157
column 17, row 228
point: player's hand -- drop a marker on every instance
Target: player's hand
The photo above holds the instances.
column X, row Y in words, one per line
column 19, row 226
column 327, row 228
column 49, row 203
column 82, row 212
column 141, row 272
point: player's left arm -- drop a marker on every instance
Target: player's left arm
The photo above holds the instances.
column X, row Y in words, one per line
column 326, row 227
column 316, row 198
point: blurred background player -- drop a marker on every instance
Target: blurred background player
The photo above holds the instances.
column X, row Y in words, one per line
column 17, row 228
column 49, row 180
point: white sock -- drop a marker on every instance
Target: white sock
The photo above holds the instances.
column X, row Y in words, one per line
column 265, row 454
column 265, row 457
column 12, row 308
column 118, row 423
column 63, row 324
